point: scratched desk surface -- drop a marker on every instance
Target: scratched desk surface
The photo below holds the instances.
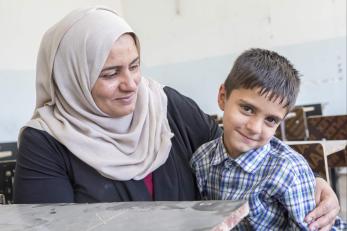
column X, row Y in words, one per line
column 183, row 215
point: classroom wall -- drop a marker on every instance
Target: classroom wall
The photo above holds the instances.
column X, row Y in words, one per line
column 322, row 65
column 189, row 45
column 23, row 23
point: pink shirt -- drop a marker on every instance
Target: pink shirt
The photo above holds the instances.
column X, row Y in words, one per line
column 149, row 184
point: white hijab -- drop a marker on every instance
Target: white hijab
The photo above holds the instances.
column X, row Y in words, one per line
column 71, row 56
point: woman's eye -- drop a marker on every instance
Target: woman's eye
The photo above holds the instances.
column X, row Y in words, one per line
column 109, row 74
column 134, row 67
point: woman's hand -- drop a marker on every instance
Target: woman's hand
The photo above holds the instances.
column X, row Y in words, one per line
column 324, row 215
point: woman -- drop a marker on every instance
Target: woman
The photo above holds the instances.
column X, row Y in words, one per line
column 101, row 132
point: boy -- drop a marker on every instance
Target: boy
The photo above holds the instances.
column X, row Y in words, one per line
column 248, row 162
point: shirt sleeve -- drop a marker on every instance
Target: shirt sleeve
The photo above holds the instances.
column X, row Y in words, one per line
column 41, row 170
column 298, row 198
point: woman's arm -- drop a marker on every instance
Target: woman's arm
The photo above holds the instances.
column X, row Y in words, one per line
column 41, row 170
column 324, row 215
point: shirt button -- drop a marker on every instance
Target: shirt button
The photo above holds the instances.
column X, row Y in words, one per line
column 228, row 164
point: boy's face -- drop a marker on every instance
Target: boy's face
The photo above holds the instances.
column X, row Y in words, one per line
column 249, row 120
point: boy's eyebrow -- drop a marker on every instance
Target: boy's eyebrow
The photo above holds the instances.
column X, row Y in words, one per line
column 115, row 67
column 277, row 118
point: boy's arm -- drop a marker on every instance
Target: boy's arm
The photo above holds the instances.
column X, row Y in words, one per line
column 299, row 198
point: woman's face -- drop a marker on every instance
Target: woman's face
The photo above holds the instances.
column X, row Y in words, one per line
column 115, row 91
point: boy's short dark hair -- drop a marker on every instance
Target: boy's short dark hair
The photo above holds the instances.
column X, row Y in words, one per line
column 267, row 70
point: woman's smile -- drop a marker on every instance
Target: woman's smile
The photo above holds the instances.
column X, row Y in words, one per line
column 128, row 99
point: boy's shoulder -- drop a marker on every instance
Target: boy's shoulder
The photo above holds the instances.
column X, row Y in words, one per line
column 206, row 152
column 281, row 152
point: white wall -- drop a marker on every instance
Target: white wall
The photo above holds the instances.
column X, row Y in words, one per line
column 191, row 44
column 187, row 44
column 205, row 28
column 22, row 23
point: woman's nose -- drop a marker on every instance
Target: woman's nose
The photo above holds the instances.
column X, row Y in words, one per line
column 128, row 82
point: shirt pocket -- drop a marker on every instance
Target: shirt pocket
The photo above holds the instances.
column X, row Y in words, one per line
column 257, row 206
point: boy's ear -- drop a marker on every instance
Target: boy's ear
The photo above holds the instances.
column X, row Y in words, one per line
column 221, row 97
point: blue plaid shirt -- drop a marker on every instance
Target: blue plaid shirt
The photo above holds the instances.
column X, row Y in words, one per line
column 277, row 182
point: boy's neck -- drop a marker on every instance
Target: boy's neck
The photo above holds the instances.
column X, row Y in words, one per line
column 233, row 155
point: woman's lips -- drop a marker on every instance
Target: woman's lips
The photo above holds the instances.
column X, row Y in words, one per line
column 126, row 99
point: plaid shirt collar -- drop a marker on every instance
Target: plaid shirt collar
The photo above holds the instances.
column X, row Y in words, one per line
column 248, row 161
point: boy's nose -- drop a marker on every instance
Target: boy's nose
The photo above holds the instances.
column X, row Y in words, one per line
column 254, row 125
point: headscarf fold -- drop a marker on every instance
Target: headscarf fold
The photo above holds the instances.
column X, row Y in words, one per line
column 70, row 59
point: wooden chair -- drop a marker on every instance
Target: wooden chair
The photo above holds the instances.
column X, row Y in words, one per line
column 314, row 154
column 8, row 153
column 218, row 119
column 295, row 125
column 312, row 109
column 278, row 133
column 336, row 160
column 7, row 169
column 327, row 127
column 330, row 128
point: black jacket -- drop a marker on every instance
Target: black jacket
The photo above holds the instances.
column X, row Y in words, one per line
column 47, row 172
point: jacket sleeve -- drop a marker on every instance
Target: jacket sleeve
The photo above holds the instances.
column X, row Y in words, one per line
column 41, row 174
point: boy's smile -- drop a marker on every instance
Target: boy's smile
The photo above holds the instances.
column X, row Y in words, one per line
column 250, row 120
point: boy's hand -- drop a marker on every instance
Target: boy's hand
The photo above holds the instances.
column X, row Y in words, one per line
column 324, row 215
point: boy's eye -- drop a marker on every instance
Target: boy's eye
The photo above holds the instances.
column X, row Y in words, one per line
column 247, row 109
column 271, row 121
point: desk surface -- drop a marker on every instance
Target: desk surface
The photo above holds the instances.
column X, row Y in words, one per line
column 330, row 146
column 187, row 215
column 330, row 149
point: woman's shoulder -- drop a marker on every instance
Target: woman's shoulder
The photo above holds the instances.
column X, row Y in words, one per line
column 43, row 169
column 181, row 106
column 34, row 135
column 175, row 98
column 38, row 144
